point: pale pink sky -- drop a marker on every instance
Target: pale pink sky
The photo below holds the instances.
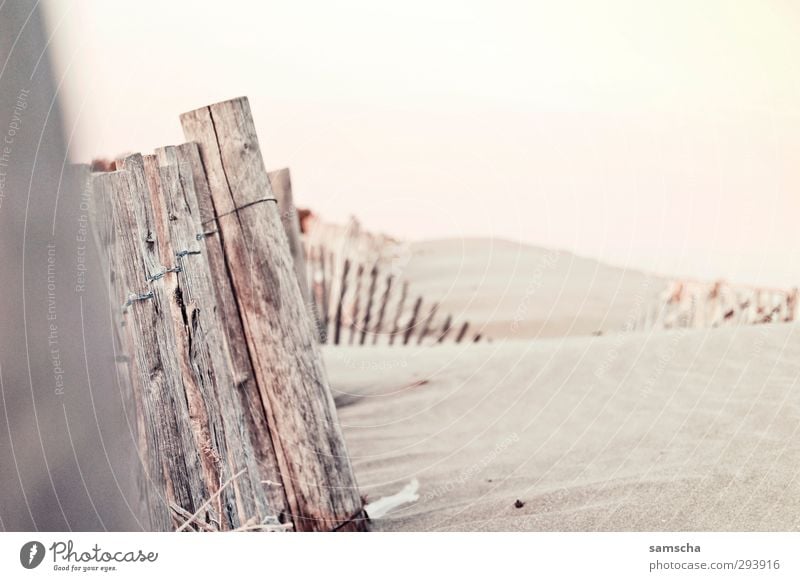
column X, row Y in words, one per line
column 655, row 135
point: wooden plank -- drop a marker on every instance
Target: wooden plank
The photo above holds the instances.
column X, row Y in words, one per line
column 382, row 311
column 317, row 474
column 202, row 344
column 354, row 320
column 103, row 234
column 462, row 332
column 337, row 330
column 412, row 322
column 173, row 459
column 328, row 279
column 192, row 175
column 398, row 313
column 445, row 329
column 426, row 326
column 281, row 184
column 370, row 298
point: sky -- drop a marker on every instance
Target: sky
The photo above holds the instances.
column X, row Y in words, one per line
column 661, row 136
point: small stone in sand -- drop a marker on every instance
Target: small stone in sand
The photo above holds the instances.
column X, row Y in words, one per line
column 518, row 504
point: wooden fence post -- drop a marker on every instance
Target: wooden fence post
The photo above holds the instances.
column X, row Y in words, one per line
column 368, row 312
column 317, row 474
column 203, row 345
column 382, row 311
column 426, row 326
column 172, row 456
column 340, row 304
column 462, row 332
column 445, row 329
column 356, row 303
column 398, row 313
column 412, row 322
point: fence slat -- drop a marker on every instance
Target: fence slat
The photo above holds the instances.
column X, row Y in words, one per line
column 206, row 352
column 192, row 172
column 281, row 184
column 340, row 304
column 398, row 313
column 382, row 311
column 412, row 322
column 426, row 325
column 354, row 321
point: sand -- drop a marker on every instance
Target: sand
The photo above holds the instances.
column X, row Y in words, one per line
column 667, row 430
column 509, row 289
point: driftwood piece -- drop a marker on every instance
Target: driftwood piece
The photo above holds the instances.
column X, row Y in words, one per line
column 319, row 480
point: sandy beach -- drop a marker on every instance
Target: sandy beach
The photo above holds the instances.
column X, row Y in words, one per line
column 553, row 428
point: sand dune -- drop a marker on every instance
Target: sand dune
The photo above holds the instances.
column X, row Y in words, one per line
column 675, row 431
column 667, row 430
column 510, row 289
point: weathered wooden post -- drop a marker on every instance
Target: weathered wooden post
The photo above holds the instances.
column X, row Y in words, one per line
column 382, row 312
column 316, row 471
column 198, row 456
column 281, row 184
column 171, row 455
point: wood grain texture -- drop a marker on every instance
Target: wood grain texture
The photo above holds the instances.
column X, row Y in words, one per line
column 445, row 329
column 313, row 460
column 103, row 234
column 281, row 183
column 194, row 181
column 173, row 460
column 220, row 423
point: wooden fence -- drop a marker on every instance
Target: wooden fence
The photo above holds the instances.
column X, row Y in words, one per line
column 236, row 425
column 690, row 304
column 359, row 303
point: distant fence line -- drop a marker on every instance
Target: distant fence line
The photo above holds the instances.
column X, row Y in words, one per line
column 359, row 297
column 691, row 304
